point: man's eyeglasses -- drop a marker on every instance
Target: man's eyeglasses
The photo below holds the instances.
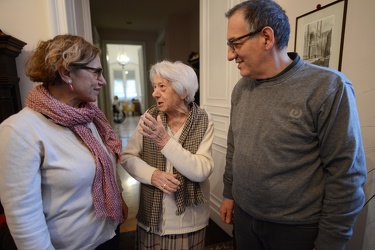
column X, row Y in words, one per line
column 231, row 42
column 97, row 71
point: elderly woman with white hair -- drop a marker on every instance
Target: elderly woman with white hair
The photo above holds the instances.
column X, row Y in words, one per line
column 170, row 154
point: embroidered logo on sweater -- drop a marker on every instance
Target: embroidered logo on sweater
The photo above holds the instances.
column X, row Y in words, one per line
column 296, row 113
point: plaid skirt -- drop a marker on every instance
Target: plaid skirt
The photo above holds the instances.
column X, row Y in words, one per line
column 189, row 241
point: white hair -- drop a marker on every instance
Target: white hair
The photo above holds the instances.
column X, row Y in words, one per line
column 182, row 77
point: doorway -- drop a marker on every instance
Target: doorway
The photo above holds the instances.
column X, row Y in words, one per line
column 126, row 76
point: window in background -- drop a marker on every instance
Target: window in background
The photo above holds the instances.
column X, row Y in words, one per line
column 118, row 82
column 131, row 86
column 131, row 90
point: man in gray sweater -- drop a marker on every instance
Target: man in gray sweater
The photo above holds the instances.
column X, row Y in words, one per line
column 295, row 166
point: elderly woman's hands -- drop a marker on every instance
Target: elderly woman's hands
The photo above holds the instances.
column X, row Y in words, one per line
column 166, row 182
column 153, row 129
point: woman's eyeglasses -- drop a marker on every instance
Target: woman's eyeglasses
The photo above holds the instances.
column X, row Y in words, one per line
column 97, row 71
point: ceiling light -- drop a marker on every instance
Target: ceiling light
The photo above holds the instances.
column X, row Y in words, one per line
column 122, row 59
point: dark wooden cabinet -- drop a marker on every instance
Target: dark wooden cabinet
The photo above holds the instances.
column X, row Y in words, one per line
column 10, row 100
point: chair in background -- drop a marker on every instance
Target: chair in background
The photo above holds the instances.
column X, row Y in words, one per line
column 128, row 107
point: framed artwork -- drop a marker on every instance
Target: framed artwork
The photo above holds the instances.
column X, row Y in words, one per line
column 319, row 37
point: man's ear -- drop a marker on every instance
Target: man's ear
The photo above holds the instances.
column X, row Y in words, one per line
column 64, row 74
column 269, row 37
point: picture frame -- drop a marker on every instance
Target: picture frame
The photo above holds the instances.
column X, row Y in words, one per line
column 319, row 36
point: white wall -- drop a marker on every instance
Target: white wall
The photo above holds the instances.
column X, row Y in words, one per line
column 219, row 76
column 39, row 20
column 29, row 22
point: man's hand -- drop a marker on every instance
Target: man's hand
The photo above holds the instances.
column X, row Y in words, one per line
column 226, row 211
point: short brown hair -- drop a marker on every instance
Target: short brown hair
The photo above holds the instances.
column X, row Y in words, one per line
column 68, row 51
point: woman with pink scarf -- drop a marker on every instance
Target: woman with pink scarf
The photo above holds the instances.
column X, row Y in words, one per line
column 58, row 156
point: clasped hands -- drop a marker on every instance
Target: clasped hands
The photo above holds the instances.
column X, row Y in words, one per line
column 153, row 129
column 166, row 182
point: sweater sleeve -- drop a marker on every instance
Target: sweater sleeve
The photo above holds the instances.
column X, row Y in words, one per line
column 196, row 167
column 343, row 160
column 228, row 172
column 20, row 190
column 200, row 164
column 131, row 159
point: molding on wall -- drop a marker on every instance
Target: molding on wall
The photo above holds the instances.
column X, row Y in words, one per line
column 58, row 17
column 86, row 16
column 215, row 93
column 71, row 15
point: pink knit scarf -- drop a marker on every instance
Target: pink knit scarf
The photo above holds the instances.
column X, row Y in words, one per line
column 107, row 199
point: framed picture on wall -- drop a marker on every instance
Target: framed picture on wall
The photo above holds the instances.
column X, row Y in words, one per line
column 319, row 37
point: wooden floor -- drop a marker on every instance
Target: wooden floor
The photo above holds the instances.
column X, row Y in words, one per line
column 129, row 184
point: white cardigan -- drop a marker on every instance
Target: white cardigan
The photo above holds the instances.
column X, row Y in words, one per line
column 196, row 167
column 46, row 176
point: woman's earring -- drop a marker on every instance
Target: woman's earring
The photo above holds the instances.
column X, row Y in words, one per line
column 70, row 85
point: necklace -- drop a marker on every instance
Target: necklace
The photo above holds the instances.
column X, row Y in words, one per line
column 175, row 125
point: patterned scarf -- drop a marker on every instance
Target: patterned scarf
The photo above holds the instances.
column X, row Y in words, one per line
column 107, row 199
column 190, row 192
